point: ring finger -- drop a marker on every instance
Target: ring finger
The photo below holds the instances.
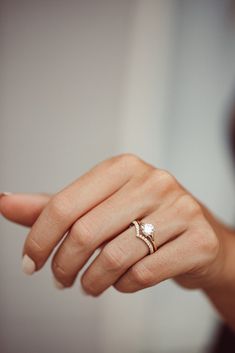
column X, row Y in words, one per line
column 125, row 250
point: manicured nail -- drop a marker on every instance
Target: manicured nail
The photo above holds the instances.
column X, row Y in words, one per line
column 28, row 265
column 57, row 284
column 5, row 193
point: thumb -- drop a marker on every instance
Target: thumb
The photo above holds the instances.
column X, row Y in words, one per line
column 23, row 209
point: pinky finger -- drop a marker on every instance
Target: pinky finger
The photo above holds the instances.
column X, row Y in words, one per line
column 171, row 260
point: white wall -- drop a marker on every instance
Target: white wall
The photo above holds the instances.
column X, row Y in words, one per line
column 83, row 80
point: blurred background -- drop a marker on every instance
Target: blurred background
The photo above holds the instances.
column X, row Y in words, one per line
column 81, row 81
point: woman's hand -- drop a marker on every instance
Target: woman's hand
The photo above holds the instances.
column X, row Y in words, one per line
column 95, row 211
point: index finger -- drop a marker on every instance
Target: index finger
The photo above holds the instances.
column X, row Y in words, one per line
column 70, row 204
column 24, row 208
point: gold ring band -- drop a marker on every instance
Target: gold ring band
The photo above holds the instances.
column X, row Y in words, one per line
column 148, row 239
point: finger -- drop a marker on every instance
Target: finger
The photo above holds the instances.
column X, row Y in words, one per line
column 171, row 260
column 70, row 204
column 96, row 227
column 125, row 250
column 23, row 209
column 134, row 200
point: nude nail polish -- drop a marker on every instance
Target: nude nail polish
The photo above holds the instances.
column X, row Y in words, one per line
column 57, row 284
column 28, row 265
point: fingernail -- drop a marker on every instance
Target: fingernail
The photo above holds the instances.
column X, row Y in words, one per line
column 28, row 265
column 57, row 284
column 5, row 193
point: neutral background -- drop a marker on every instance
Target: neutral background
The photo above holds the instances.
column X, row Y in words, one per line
column 81, row 81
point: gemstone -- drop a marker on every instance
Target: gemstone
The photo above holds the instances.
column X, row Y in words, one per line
column 147, row 229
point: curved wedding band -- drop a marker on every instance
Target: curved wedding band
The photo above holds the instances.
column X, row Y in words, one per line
column 145, row 232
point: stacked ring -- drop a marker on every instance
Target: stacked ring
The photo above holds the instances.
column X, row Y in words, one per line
column 145, row 232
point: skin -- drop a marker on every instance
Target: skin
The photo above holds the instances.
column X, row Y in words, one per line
column 94, row 212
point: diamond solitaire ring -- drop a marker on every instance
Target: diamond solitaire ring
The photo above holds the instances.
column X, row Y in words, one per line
column 145, row 231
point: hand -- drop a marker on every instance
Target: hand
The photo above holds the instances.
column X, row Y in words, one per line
column 95, row 211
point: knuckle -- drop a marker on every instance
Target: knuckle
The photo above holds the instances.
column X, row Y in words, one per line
column 161, row 179
column 142, row 275
column 88, row 286
column 59, row 206
column 58, row 270
column 213, row 246
column 206, row 241
column 211, row 243
column 166, row 179
column 61, row 274
column 81, row 233
column 128, row 160
column 34, row 245
column 119, row 287
column 187, row 203
column 35, row 250
column 113, row 256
